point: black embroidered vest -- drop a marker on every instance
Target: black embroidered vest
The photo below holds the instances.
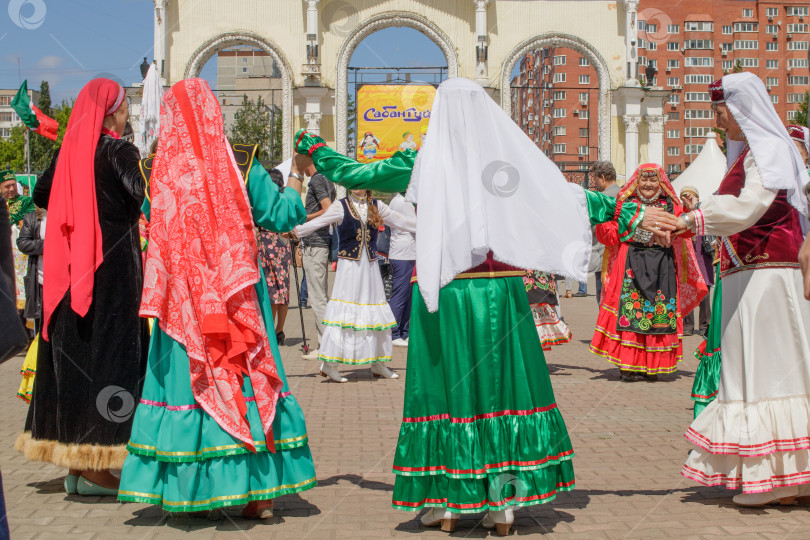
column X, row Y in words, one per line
column 356, row 235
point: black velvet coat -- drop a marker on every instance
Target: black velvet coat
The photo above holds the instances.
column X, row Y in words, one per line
column 30, row 243
column 89, row 376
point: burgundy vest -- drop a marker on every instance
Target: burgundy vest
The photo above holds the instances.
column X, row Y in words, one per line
column 772, row 242
column 489, row 269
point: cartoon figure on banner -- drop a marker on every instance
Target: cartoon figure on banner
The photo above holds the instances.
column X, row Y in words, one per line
column 422, row 136
column 368, row 146
column 408, row 143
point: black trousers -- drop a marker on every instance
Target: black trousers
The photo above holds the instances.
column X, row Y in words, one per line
column 705, row 315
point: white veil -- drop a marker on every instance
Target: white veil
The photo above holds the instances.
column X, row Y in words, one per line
column 778, row 160
column 480, row 185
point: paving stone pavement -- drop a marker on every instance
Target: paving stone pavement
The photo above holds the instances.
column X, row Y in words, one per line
column 628, row 439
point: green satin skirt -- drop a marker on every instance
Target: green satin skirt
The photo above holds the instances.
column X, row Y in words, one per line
column 481, row 429
column 181, row 459
column 707, row 376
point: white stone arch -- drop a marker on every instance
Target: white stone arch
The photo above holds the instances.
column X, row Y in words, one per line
column 362, row 31
column 585, row 49
column 233, row 39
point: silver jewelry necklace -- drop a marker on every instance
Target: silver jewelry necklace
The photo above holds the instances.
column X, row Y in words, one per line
column 652, row 199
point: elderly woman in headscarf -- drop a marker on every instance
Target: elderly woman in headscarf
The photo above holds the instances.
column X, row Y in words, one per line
column 217, row 424
column 647, row 288
column 92, row 355
column 756, row 434
column 481, row 430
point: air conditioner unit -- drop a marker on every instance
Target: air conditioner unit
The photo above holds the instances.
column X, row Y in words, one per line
column 583, row 102
column 545, row 103
column 669, row 69
column 724, row 52
column 801, row 18
column 576, row 112
column 770, row 19
column 790, row 36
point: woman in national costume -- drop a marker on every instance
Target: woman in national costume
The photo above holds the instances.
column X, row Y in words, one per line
column 541, row 289
column 756, row 434
column 216, row 425
column 92, row 352
column 647, row 287
column 481, row 430
column 358, row 318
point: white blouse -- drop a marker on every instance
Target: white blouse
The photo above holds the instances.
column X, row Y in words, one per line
column 334, row 216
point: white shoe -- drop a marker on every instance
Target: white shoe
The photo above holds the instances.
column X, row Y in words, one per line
column 328, row 370
column 399, row 342
column 380, row 370
column 440, row 516
column 500, row 520
column 311, row 355
column 783, row 495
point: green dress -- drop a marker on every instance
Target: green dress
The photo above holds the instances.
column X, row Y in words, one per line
column 481, row 429
column 707, row 376
column 180, row 458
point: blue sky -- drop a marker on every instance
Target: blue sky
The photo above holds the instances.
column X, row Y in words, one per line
column 69, row 42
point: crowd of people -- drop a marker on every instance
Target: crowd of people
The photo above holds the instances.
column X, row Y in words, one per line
column 158, row 287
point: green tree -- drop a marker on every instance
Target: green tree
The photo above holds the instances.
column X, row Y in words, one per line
column 12, row 150
column 801, row 115
column 42, row 148
column 253, row 125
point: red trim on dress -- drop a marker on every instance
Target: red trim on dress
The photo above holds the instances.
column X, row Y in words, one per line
column 487, row 466
column 464, row 420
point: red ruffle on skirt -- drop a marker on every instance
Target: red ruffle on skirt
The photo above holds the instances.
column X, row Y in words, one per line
column 644, row 353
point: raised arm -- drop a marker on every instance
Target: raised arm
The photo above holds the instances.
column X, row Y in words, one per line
column 28, row 242
column 125, row 159
column 42, row 189
column 274, row 210
column 392, row 174
column 396, row 220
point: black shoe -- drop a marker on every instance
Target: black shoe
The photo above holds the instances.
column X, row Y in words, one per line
column 280, row 338
column 628, row 376
column 580, row 295
column 304, row 306
column 687, row 333
column 650, row 378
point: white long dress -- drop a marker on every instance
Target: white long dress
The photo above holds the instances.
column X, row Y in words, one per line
column 756, row 434
column 357, row 320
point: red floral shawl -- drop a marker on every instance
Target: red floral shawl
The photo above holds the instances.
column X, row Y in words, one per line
column 73, row 244
column 201, row 263
column 691, row 286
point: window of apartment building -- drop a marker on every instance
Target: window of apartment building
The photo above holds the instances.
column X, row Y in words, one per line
column 745, row 44
column 697, row 131
column 584, row 115
column 642, row 26
column 559, row 112
column 673, row 151
column 699, row 114
column 795, row 80
column 772, row 46
column 642, row 60
column 673, row 64
column 652, row 62
column 584, row 62
column 771, row 12
column 530, row 117
column 673, row 99
column 5, row 100
column 673, row 46
column 694, row 26
column 673, row 168
column 797, row 28
column 771, row 81
column 559, row 77
column 6, row 117
column 796, row 10
column 727, row 30
column 673, row 81
column 673, row 134
column 697, row 96
column 559, row 131
column 652, row 46
column 726, row 47
column 728, row 65
column 797, row 63
column 775, row 100
column 772, row 29
column 584, row 79
column 674, row 116
column 746, row 27
column 583, row 150
column 698, row 61
column 559, row 95
column 772, row 64
column 693, row 149
column 652, row 28
column 795, row 98
column 797, row 46
column 698, row 44
column 748, row 62
column 583, row 97
column 559, row 148
column 559, row 60
column 792, row 115
column 673, row 29
column 530, row 130
column 583, row 132
column 698, row 79
column 5, row 133
column 748, row 13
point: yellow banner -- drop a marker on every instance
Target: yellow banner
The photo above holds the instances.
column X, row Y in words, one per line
column 390, row 118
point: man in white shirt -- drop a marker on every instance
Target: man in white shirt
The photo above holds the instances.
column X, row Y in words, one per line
column 402, row 255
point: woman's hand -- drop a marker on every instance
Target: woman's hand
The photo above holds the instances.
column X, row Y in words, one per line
column 659, row 222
